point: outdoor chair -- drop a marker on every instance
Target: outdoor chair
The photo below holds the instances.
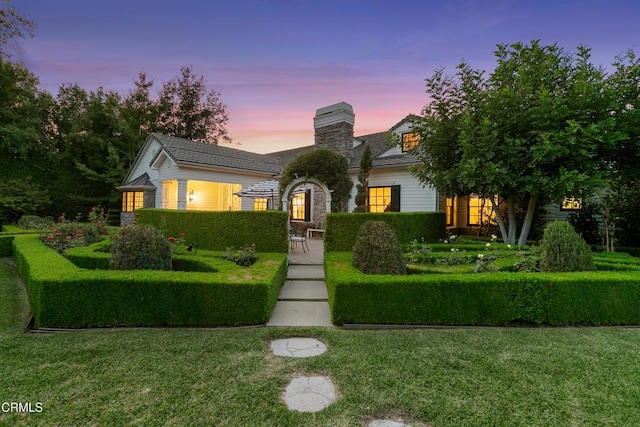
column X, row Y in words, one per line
column 318, row 228
column 294, row 239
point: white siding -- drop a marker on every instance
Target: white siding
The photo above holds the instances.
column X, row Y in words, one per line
column 413, row 196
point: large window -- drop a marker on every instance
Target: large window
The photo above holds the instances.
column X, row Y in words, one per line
column 384, row 199
column 301, row 206
column 480, row 211
column 132, row 200
column 409, row 141
column 571, row 204
column 260, row 204
column 450, row 210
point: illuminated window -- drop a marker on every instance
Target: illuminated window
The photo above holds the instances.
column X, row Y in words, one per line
column 571, row 204
column 480, row 211
column 300, row 206
column 450, row 210
column 260, row 204
column 384, row 199
column 409, row 141
column 132, row 200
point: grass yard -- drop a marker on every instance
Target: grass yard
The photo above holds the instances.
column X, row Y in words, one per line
column 445, row 377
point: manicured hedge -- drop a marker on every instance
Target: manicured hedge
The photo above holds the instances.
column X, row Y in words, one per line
column 63, row 295
column 6, row 242
column 269, row 230
column 592, row 298
column 341, row 229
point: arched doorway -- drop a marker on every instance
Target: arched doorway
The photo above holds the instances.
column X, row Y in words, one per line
column 286, row 195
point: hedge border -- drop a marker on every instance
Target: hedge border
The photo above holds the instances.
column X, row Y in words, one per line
column 269, row 230
column 65, row 296
column 495, row 299
column 341, row 229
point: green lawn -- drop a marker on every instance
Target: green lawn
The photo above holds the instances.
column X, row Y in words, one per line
column 446, row 377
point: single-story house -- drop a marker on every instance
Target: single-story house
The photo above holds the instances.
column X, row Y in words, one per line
column 175, row 173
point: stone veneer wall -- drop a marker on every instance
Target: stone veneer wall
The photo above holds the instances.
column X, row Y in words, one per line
column 336, row 137
column 319, row 205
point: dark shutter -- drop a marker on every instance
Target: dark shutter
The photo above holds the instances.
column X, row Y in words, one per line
column 395, row 198
column 307, row 206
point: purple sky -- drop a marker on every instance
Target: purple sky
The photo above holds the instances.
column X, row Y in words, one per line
column 275, row 62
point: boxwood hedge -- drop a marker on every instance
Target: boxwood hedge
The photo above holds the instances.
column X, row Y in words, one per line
column 269, row 230
column 341, row 229
column 590, row 298
column 63, row 295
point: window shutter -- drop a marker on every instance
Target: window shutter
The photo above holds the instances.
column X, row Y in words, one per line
column 307, row 206
column 395, row 198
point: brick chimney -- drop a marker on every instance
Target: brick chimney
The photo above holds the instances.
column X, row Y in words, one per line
column 333, row 127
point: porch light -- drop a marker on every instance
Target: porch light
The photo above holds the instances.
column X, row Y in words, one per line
column 192, row 196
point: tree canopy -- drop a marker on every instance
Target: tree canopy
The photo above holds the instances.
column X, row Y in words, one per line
column 539, row 127
column 12, row 26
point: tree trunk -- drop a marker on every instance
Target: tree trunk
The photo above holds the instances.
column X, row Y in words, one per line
column 513, row 225
column 528, row 220
column 503, row 229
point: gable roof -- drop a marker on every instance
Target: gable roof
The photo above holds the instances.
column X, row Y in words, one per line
column 378, row 143
column 186, row 152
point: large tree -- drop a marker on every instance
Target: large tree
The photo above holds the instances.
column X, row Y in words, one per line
column 537, row 128
column 189, row 110
column 12, row 26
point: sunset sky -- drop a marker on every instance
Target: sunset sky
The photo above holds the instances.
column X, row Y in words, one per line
column 276, row 62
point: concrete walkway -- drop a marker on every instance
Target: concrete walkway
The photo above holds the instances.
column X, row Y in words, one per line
column 303, row 299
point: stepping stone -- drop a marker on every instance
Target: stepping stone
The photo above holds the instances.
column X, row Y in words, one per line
column 387, row 423
column 309, row 394
column 298, row 347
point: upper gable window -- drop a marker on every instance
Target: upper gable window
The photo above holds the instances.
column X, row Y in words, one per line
column 409, row 141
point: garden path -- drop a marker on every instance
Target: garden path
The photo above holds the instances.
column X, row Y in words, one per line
column 303, row 299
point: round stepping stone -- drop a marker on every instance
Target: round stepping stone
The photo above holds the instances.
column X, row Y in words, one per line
column 309, row 394
column 298, row 347
column 386, row 423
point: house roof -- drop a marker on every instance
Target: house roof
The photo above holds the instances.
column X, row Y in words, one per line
column 143, row 182
column 378, row 142
column 187, row 152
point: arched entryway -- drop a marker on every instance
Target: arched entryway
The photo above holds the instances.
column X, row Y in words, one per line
column 286, row 195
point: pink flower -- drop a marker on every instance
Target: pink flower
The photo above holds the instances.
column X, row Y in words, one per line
column 61, row 218
column 52, row 228
column 68, row 237
column 79, row 232
column 50, row 237
column 181, row 234
column 58, row 234
column 171, row 239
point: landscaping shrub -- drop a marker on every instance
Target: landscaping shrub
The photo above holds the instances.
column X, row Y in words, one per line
column 219, row 230
column 140, row 247
column 501, row 298
column 34, row 222
column 563, row 250
column 341, row 229
column 62, row 295
column 377, row 250
column 66, row 235
column 245, row 256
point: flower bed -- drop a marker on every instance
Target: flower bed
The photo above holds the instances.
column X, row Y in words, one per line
column 63, row 295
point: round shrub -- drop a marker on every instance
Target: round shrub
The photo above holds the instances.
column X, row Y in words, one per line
column 562, row 249
column 377, row 250
column 34, row 222
column 140, row 247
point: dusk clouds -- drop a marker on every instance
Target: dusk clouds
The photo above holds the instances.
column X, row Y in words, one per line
column 276, row 62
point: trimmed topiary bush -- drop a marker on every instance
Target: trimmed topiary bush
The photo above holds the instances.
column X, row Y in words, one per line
column 377, row 250
column 140, row 247
column 34, row 222
column 563, row 250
